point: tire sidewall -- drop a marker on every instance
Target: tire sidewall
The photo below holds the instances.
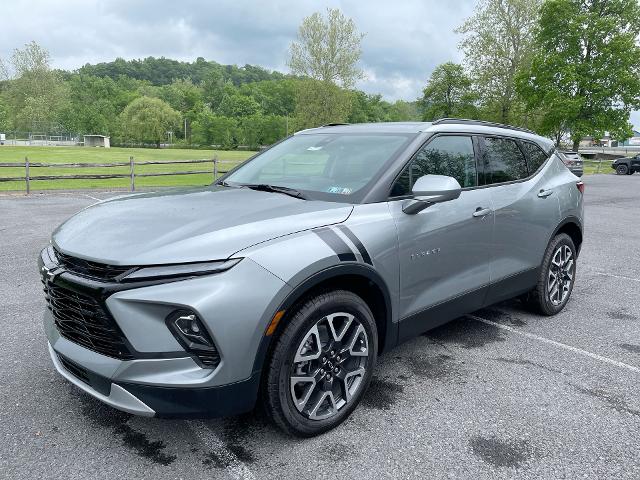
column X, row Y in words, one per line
column 302, row 322
column 622, row 170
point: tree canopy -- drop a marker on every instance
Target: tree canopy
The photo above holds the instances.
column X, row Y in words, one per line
column 448, row 93
column 585, row 75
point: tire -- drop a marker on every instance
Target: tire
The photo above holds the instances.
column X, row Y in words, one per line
column 622, row 169
column 545, row 299
column 302, row 406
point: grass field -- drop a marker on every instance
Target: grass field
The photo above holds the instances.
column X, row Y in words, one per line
column 55, row 155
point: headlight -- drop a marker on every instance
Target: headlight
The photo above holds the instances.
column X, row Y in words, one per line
column 180, row 270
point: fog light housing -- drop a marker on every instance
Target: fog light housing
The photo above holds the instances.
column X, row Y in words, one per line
column 188, row 329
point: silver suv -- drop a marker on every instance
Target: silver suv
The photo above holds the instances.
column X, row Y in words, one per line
column 283, row 281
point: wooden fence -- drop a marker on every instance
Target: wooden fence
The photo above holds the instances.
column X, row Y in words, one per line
column 215, row 170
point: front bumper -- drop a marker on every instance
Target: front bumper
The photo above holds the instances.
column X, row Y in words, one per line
column 166, row 402
column 163, row 379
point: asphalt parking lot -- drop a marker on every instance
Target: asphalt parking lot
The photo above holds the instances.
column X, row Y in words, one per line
column 499, row 394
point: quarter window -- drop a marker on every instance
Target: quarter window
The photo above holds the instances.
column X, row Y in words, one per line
column 446, row 155
column 503, row 160
column 536, row 156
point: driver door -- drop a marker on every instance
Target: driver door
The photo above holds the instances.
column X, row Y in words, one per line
column 444, row 250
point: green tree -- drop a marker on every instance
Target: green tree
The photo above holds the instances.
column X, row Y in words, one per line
column 497, row 44
column 448, row 93
column 319, row 103
column 585, row 76
column 236, row 105
column 37, row 95
column 327, row 49
column 148, row 120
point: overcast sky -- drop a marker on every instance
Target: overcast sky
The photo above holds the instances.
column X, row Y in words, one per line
column 404, row 39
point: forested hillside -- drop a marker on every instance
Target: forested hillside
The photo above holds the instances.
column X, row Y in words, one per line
column 156, row 100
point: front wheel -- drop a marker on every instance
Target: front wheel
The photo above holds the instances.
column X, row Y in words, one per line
column 622, row 170
column 556, row 279
column 322, row 364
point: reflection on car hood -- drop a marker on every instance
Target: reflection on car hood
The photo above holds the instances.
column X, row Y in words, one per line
column 188, row 225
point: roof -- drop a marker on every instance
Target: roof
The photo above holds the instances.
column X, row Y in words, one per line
column 380, row 127
column 100, row 136
column 443, row 125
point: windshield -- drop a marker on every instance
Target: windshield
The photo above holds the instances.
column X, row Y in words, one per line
column 333, row 166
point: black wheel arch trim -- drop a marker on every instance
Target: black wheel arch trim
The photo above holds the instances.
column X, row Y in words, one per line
column 569, row 220
column 360, row 269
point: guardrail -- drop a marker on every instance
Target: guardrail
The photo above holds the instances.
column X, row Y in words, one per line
column 215, row 171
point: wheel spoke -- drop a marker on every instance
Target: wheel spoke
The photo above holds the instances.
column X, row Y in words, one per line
column 339, row 323
column 301, row 396
column 325, row 398
column 351, row 382
column 359, row 345
column 310, row 348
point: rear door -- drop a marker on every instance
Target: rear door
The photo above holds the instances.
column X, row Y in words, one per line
column 527, row 211
column 635, row 163
column 444, row 250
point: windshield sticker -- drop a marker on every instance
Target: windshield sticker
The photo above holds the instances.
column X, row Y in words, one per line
column 339, row 190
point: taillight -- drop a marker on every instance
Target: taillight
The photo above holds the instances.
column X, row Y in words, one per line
column 580, row 186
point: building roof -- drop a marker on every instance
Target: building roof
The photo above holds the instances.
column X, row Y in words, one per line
column 97, row 136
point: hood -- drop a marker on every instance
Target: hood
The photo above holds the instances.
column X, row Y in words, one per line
column 188, row 225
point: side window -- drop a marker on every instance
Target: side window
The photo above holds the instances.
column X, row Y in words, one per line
column 535, row 155
column 504, row 160
column 445, row 155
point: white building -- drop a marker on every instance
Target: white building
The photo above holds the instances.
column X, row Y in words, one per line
column 96, row 141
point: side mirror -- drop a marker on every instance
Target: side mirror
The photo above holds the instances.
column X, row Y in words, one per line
column 430, row 189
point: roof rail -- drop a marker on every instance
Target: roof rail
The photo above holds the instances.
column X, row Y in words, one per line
column 335, row 124
column 465, row 121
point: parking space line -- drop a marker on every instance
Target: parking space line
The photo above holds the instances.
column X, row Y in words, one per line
column 579, row 351
column 233, row 465
column 618, row 276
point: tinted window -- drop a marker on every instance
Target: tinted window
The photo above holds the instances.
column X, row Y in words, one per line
column 536, row 156
column 450, row 155
column 503, row 160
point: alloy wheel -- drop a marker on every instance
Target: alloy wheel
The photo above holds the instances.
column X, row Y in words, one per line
column 329, row 366
column 561, row 274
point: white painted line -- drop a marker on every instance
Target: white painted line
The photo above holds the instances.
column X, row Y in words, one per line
column 98, row 199
column 557, row 344
column 234, row 467
column 618, row 276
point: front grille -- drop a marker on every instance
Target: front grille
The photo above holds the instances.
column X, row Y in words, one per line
column 84, row 320
column 85, row 268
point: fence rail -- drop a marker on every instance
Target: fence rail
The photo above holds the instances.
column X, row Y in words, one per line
column 215, row 171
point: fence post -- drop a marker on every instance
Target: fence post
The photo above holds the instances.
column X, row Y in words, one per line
column 132, row 173
column 215, row 167
column 599, row 163
column 26, row 174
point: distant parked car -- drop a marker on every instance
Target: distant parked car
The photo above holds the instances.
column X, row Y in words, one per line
column 626, row 165
column 573, row 161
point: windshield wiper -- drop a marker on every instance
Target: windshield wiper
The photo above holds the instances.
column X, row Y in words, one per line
column 263, row 187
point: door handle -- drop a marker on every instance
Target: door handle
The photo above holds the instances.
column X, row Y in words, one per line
column 481, row 212
column 545, row 193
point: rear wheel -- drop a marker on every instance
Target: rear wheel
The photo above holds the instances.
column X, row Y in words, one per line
column 322, row 364
column 556, row 279
column 622, row 169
